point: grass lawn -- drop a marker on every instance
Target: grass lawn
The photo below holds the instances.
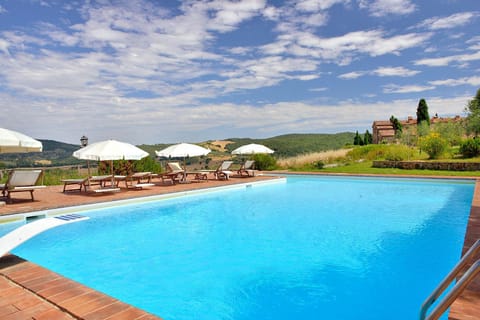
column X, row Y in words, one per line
column 366, row 168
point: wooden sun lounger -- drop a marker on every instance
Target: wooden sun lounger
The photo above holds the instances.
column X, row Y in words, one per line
column 21, row 181
column 139, row 180
column 199, row 176
column 174, row 174
column 81, row 183
column 223, row 172
column 87, row 183
column 247, row 168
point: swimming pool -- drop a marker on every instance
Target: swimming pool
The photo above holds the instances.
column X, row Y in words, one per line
column 310, row 248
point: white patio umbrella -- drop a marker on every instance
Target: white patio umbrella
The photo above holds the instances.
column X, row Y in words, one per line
column 16, row 142
column 110, row 150
column 252, row 148
column 183, row 150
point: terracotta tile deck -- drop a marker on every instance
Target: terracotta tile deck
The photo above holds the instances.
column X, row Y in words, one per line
column 28, row 291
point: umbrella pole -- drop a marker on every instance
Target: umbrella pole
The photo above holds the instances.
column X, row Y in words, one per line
column 111, row 169
column 88, row 175
column 184, row 179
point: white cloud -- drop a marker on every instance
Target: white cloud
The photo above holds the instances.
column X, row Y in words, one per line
column 318, row 89
column 395, row 71
column 352, row 75
column 379, row 8
column 345, row 47
column 316, row 5
column 444, row 61
column 229, row 14
column 472, row 81
column 452, row 21
column 393, row 88
column 4, row 46
column 381, row 72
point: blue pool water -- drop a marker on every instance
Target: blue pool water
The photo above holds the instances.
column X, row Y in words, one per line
column 310, row 248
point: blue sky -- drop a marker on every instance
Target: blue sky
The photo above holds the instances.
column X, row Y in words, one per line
column 171, row 71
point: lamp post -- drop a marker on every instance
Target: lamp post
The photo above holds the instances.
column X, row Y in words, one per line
column 84, row 143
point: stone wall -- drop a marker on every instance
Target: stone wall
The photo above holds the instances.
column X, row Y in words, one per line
column 429, row 165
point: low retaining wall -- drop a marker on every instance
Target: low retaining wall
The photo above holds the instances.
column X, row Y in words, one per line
column 428, row 165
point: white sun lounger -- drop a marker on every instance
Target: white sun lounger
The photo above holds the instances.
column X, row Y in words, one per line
column 18, row 236
column 21, row 181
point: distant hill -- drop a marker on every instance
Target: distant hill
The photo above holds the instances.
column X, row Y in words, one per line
column 57, row 153
column 290, row 145
column 54, row 154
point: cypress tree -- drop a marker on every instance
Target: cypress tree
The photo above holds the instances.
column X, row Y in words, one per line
column 367, row 138
column 422, row 112
column 357, row 140
column 397, row 126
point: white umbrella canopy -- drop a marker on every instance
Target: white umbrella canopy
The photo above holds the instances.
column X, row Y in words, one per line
column 16, row 142
column 110, row 150
column 252, row 148
column 183, row 150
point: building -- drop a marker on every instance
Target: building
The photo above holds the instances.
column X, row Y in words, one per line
column 382, row 130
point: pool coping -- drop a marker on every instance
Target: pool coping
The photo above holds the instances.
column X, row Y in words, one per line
column 150, row 198
column 80, row 302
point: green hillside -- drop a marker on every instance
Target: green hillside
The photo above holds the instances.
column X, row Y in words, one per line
column 55, row 153
column 294, row 144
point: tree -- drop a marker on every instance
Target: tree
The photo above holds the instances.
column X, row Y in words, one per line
column 451, row 131
column 367, row 138
column 473, row 115
column 434, row 145
column 397, row 126
column 357, row 140
column 422, row 112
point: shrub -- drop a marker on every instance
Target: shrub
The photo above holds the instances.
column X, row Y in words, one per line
column 318, row 164
column 265, row 162
column 433, row 145
column 398, row 153
column 470, row 148
column 368, row 152
column 147, row 164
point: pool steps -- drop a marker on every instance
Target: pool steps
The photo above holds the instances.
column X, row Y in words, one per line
column 455, row 292
column 27, row 231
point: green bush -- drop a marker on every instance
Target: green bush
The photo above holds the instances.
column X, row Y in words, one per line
column 125, row 167
column 368, row 152
column 433, row 145
column 318, row 164
column 264, row 162
column 399, row 152
column 470, row 148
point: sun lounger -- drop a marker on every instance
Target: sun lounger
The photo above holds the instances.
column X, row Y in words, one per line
column 175, row 173
column 21, row 181
column 80, row 183
column 105, row 184
column 199, row 176
column 247, row 168
column 138, row 180
column 223, row 172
